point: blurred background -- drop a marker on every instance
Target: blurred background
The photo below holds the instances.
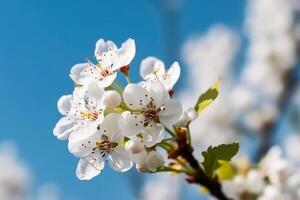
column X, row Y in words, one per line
column 252, row 44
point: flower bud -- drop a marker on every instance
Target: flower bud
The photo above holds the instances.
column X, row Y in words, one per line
column 134, row 146
column 154, row 160
column 141, row 167
column 192, row 113
column 111, row 99
column 125, row 69
column 183, row 120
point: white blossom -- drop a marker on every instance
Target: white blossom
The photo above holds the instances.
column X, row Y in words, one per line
column 94, row 147
column 152, row 109
column 14, row 175
column 83, row 109
column 111, row 99
column 153, row 69
column 110, row 58
column 248, row 185
column 148, row 161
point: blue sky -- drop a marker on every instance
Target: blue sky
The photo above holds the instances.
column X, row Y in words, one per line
column 40, row 41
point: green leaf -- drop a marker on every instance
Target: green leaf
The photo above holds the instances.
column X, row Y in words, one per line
column 214, row 156
column 225, row 171
column 208, row 97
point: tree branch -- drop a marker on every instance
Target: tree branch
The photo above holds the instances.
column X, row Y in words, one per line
column 185, row 150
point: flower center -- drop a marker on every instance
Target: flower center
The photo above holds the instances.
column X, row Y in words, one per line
column 92, row 116
column 106, row 72
column 151, row 114
column 104, row 147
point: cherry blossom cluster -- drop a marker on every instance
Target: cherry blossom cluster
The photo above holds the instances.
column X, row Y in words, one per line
column 274, row 177
column 124, row 125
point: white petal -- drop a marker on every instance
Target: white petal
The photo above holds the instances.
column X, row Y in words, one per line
column 79, row 92
column 125, row 54
column 95, row 91
column 111, row 99
column 102, row 47
column 131, row 124
column 135, row 97
column 171, row 113
column 184, row 120
column 120, row 160
column 151, row 65
column 64, row 104
column 134, row 145
column 158, row 93
column 110, row 127
column 82, row 142
column 63, row 128
column 153, row 134
column 90, row 167
column 154, row 160
column 107, row 80
column 83, row 73
column 140, row 157
column 192, row 113
column 172, row 75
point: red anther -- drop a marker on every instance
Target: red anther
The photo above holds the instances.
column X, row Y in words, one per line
column 125, row 69
column 171, row 92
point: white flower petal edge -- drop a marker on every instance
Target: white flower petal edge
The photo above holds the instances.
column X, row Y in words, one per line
column 154, row 160
column 88, row 168
column 172, row 76
column 153, row 69
column 153, row 134
column 150, row 66
column 135, row 96
column 93, row 147
column 125, row 54
column 172, row 112
column 148, row 162
column 103, row 47
column 83, row 109
column 110, row 127
column 109, row 58
column 151, row 107
column 120, row 160
column 64, row 104
column 131, row 124
column 63, row 128
column 82, row 73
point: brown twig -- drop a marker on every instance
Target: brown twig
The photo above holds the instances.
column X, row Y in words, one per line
column 185, row 150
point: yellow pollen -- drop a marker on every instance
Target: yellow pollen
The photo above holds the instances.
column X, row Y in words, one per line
column 90, row 115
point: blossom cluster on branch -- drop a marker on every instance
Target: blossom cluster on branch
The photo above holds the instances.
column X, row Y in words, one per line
column 274, row 177
column 139, row 123
column 102, row 121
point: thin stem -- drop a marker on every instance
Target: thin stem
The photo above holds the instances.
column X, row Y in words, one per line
column 170, row 132
column 168, row 139
column 113, row 86
column 165, row 146
column 170, row 169
column 188, row 133
column 127, row 78
column 117, row 84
